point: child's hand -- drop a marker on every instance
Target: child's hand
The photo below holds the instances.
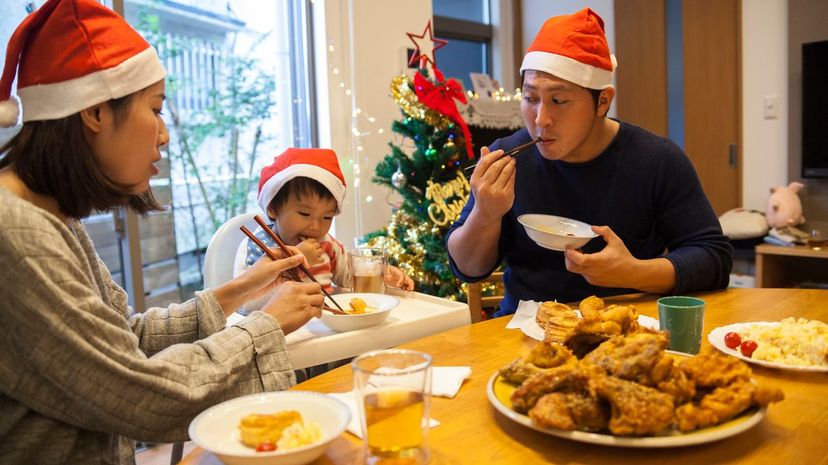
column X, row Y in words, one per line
column 312, row 251
column 394, row 277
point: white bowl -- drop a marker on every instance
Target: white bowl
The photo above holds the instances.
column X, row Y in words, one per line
column 342, row 323
column 556, row 232
column 217, row 428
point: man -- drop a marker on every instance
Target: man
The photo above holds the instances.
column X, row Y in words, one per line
column 658, row 232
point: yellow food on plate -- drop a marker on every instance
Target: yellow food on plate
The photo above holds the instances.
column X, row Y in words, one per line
column 284, row 430
column 359, row 306
column 794, row 341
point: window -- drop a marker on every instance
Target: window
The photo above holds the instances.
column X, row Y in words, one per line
column 237, row 95
column 466, row 24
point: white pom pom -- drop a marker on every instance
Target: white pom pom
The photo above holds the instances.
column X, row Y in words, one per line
column 9, row 112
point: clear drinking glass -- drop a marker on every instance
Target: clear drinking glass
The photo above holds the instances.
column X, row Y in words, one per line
column 368, row 268
column 393, row 388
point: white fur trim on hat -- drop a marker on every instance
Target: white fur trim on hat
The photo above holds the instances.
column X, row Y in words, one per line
column 568, row 69
column 61, row 99
column 9, row 112
column 273, row 185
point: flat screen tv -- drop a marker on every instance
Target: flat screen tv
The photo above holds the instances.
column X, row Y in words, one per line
column 815, row 110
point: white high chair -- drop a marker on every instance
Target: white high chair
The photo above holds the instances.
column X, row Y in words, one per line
column 221, row 251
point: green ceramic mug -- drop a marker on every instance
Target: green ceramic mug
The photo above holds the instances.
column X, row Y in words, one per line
column 683, row 317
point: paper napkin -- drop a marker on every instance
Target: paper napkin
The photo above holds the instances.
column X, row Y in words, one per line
column 350, row 399
column 526, row 310
column 445, row 381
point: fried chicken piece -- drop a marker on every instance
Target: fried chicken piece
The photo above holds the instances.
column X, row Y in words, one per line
column 638, row 357
column 712, row 369
column 678, row 385
column 570, row 411
column 615, row 320
column 519, row 371
column 724, row 403
column 591, row 306
column 549, row 355
column 541, row 357
column 565, row 378
column 636, row 410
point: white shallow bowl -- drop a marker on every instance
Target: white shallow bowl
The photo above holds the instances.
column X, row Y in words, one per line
column 216, row 429
column 342, row 323
column 556, row 232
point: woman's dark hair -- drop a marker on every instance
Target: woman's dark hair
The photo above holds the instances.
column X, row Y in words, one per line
column 297, row 187
column 54, row 159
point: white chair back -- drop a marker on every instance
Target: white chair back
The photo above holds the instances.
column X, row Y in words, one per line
column 221, row 251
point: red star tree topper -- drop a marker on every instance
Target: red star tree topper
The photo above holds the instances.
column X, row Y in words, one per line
column 425, row 47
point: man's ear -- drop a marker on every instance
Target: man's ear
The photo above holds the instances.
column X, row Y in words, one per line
column 93, row 118
column 605, row 100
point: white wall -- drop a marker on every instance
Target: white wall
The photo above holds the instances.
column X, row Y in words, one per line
column 536, row 12
column 764, row 73
column 364, row 41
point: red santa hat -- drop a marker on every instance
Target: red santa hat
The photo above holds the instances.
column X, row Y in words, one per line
column 70, row 55
column 573, row 47
column 318, row 164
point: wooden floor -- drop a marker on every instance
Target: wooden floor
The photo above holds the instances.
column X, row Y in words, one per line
column 159, row 454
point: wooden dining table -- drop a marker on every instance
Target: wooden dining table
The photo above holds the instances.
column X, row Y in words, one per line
column 471, row 431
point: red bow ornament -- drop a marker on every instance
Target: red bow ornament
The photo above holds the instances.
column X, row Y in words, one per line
column 440, row 98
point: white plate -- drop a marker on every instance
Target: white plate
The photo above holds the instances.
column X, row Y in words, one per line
column 216, row 429
column 343, row 323
column 716, row 338
column 713, row 433
column 531, row 328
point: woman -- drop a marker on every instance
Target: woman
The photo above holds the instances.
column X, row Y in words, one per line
column 81, row 377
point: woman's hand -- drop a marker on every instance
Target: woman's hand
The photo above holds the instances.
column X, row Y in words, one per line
column 260, row 279
column 312, row 251
column 294, row 304
column 394, row 277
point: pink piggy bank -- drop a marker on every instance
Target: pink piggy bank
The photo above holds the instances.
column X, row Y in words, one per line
column 784, row 206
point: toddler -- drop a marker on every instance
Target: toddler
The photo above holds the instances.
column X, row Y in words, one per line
column 301, row 192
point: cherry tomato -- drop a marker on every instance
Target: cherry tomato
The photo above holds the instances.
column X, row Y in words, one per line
column 747, row 348
column 732, row 340
column 265, row 447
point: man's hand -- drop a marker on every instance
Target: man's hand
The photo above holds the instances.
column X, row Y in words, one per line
column 294, row 304
column 611, row 267
column 615, row 266
column 493, row 184
column 394, row 277
column 311, row 249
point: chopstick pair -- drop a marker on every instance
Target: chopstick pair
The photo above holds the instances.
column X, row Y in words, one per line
column 291, row 272
column 511, row 153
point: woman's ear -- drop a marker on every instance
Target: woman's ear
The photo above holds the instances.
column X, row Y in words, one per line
column 94, row 118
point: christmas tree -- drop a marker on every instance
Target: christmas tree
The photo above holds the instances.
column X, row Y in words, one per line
column 430, row 180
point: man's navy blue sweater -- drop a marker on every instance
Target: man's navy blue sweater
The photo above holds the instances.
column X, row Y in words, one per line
column 642, row 186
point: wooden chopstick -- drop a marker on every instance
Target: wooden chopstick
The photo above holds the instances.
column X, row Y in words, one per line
column 289, row 253
column 291, row 272
column 511, row 153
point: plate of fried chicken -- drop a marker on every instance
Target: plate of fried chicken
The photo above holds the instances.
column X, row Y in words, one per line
column 627, row 390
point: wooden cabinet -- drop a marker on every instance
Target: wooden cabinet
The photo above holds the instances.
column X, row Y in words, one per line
column 778, row 266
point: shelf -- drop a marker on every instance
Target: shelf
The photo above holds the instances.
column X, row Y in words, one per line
column 778, row 266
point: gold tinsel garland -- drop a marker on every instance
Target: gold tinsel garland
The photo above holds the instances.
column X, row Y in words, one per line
column 407, row 100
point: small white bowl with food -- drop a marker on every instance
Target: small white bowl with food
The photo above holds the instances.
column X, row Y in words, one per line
column 277, row 428
column 363, row 310
column 556, row 232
